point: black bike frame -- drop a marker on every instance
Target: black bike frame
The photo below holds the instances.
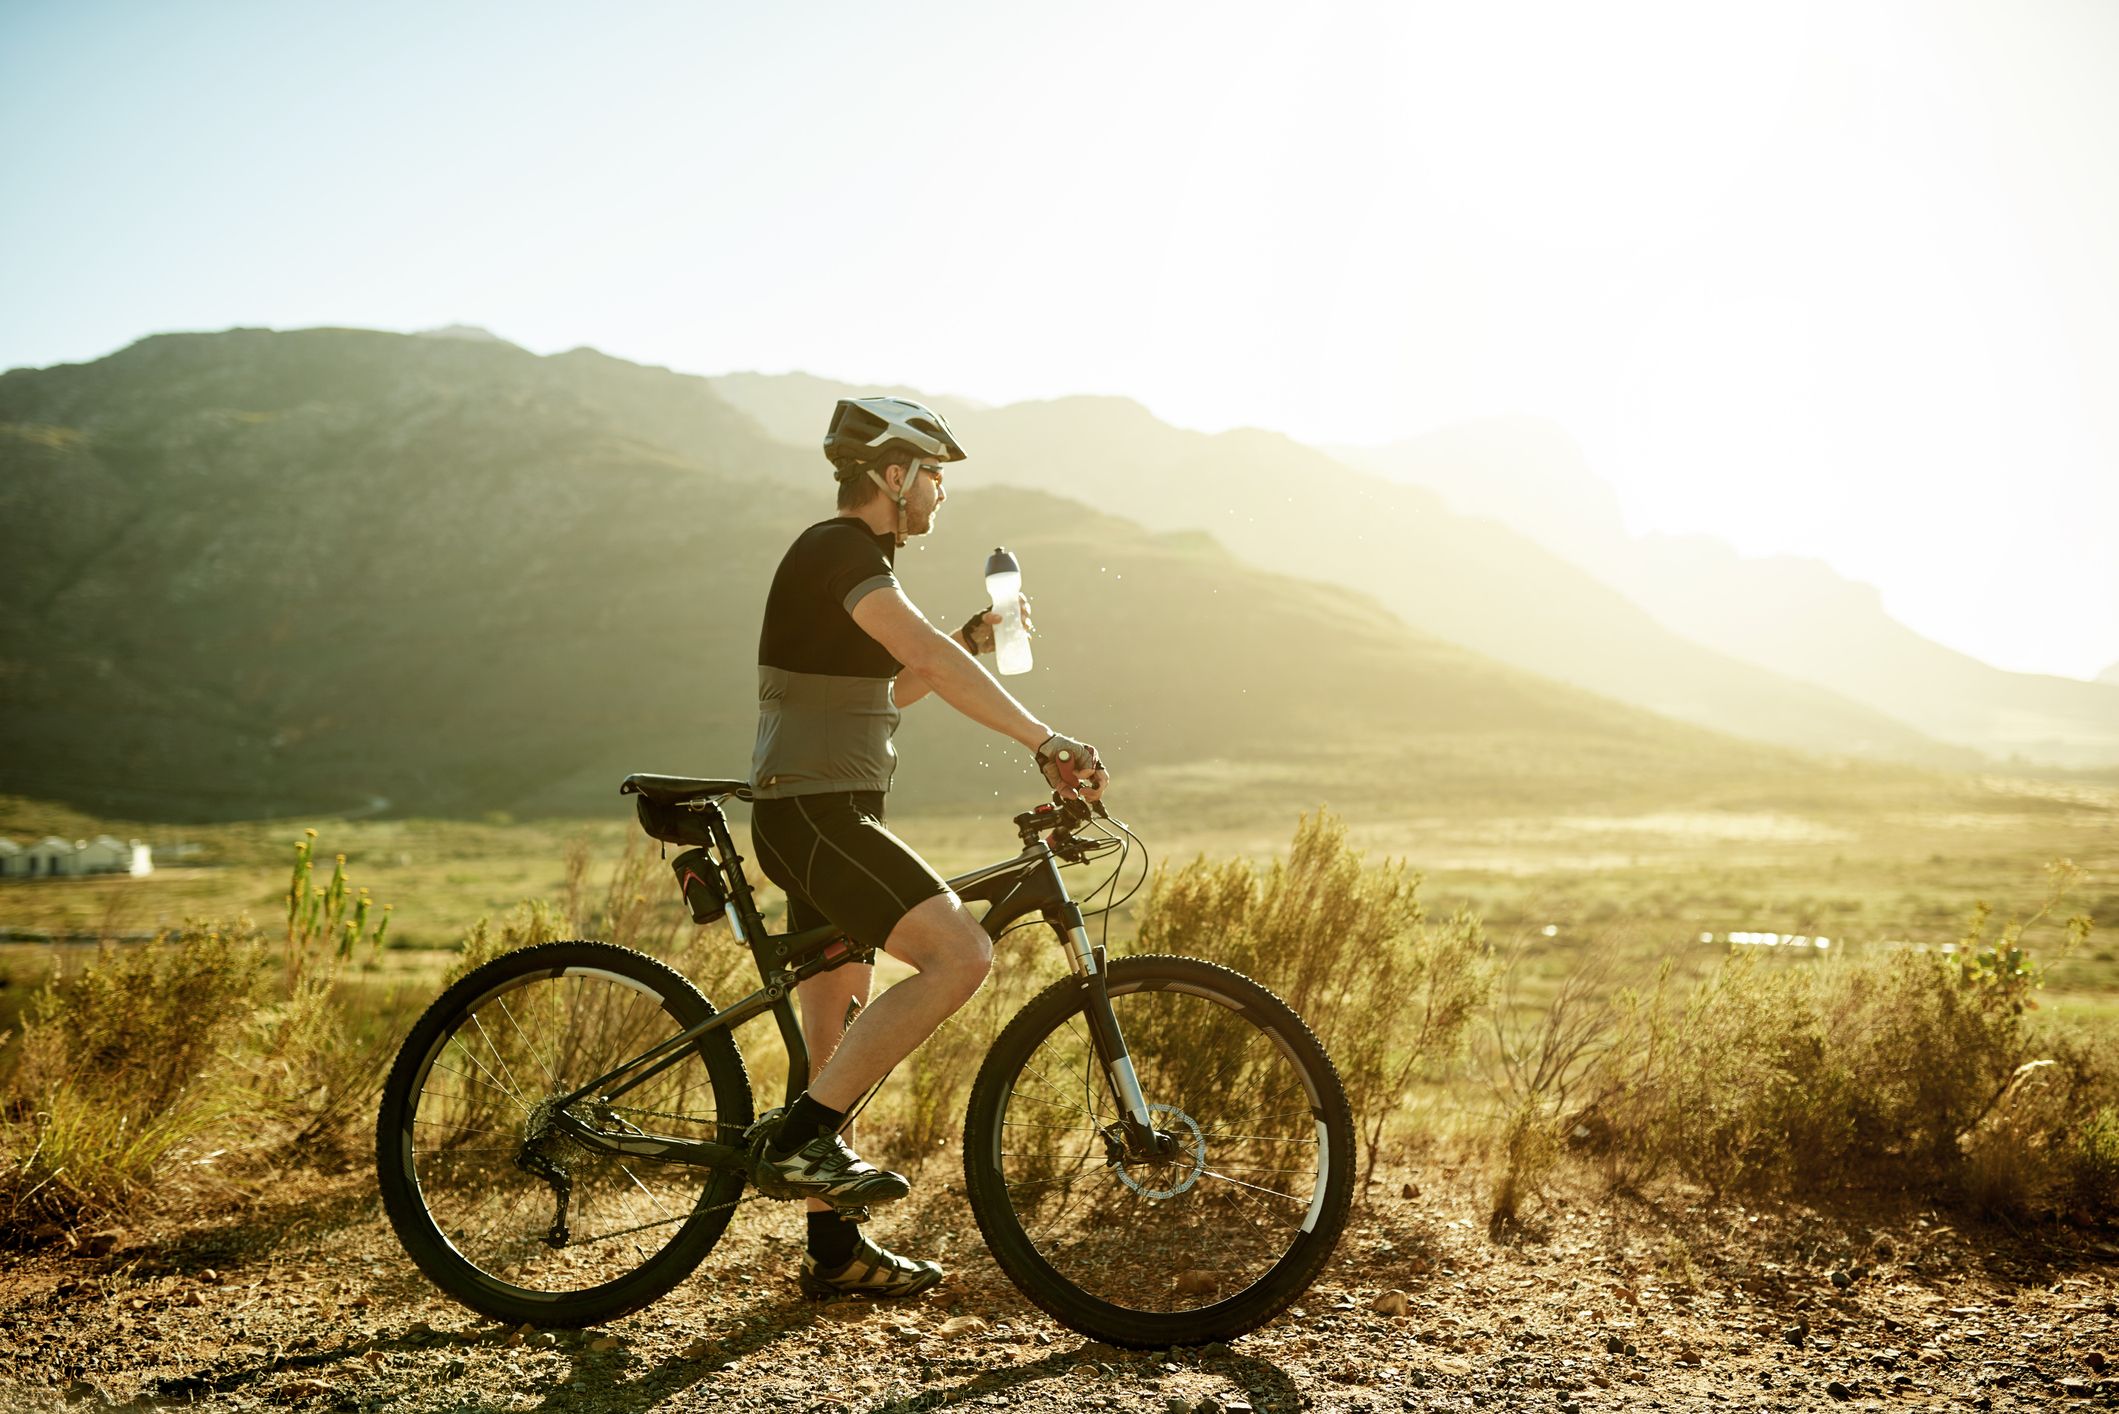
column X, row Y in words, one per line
column 1012, row 889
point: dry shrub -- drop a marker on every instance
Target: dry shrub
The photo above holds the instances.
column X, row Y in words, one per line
column 206, row 1038
column 1348, row 945
column 2009, row 1153
column 120, row 1072
column 1525, row 1155
column 1770, row 1076
column 533, row 921
column 2091, row 1163
column 1538, row 1060
column 1906, row 1068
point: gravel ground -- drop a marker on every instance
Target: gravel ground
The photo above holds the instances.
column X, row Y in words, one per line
column 1675, row 1304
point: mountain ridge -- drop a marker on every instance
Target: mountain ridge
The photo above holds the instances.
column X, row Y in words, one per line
column 1793, row 615
column 1463, row 579
column 304, row 570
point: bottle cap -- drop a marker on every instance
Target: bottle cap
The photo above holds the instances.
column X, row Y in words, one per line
column 1001, row 562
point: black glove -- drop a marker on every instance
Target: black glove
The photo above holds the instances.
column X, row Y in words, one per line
column 971, row 628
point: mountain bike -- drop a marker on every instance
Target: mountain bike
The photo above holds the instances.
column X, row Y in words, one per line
column 1156, row 1149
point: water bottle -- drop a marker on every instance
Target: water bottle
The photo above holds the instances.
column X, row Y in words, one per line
column 1011, row 641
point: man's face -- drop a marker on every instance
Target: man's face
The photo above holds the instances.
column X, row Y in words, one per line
column 924, row 497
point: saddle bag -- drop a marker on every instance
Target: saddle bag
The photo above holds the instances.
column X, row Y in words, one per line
column 689, row 823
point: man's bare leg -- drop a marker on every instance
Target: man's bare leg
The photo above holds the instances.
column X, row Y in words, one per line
column 951, row 954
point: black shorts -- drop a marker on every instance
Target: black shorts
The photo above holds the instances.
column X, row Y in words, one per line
column 839, row 865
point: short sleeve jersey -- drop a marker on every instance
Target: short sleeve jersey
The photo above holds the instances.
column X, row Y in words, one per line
column 825, row 711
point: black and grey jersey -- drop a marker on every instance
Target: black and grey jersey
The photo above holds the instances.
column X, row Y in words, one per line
column 825, row 711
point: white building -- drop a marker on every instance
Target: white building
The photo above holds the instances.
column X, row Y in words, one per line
column 48, row 856
column 52, row 857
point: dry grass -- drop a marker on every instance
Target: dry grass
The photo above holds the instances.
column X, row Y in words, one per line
column 164, row 1067
column 120, row 1073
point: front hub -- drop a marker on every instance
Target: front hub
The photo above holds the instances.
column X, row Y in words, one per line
column 1167, row 1162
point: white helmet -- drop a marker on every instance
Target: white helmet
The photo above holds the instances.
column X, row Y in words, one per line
column 870, row 432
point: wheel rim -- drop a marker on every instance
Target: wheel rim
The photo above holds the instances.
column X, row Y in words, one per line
column 1238, row 1190
column 485, row 1146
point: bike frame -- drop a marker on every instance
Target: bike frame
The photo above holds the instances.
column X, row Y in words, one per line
column 1013, row 889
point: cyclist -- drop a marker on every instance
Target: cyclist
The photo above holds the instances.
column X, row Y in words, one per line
column 841, row 651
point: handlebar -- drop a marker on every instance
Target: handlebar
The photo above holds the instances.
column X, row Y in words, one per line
column 1062, row 817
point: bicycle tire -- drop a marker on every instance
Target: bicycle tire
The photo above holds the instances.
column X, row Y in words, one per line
column 1133, row 1267
column 602, row 981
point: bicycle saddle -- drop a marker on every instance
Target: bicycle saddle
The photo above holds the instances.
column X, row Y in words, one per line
column 674, row 790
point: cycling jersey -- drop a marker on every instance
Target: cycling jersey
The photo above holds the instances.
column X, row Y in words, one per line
column 825, row 712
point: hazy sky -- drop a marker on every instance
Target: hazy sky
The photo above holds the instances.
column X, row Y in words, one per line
column 1836, row 281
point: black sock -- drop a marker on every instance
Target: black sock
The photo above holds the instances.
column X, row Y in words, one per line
column 806, row 1119
column 832, row 1240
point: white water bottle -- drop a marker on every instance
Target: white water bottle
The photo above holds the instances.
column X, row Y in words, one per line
column 1011, row 641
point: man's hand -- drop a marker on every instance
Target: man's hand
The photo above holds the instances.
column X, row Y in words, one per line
column 978, row 629
column 1072, row 767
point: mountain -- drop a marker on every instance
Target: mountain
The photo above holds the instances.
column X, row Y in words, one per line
column 1794, row 616
column 1465, row 579
column 2110, row 675
column 258, row 571
column 462, row 331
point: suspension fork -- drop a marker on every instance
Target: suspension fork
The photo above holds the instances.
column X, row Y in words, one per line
column 1109, row 1042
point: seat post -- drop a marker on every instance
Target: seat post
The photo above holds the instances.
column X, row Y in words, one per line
column 738, row 882
column 746, row 908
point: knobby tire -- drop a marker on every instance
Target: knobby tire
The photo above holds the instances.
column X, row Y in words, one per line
column 1205, row 1246
column 462, row 1096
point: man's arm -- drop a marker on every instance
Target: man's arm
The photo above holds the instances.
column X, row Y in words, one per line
column 913, row 685
column 975, row 637
column 943, row 667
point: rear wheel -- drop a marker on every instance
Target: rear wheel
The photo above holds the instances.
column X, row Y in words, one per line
column 1213, row 1236
column 498, row 1204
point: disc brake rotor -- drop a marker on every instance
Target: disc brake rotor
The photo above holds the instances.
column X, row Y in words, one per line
column 1161, row 1178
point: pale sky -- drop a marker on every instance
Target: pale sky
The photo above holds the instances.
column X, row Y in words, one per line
column 1836, row 281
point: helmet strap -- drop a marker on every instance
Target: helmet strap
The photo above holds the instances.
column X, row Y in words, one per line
column 897, row 496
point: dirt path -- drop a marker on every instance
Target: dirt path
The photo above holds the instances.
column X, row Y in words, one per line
column 312, row 1306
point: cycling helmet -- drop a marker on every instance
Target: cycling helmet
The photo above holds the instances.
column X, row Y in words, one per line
column 868, row 432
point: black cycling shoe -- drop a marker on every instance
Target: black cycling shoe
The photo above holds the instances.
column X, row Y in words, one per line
column 873, row 1271
column 823, row 1168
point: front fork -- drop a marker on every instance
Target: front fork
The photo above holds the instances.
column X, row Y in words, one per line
column 1142, row 1140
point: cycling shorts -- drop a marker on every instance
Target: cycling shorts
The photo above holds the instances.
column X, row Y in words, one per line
column 837, row 863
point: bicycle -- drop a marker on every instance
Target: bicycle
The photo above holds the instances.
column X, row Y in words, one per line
column 1157, row 1150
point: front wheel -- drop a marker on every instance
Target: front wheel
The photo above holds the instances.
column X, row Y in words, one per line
column 492, row 1192
column 1212, row 1236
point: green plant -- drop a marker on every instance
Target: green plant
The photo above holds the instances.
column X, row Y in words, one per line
column 328, row 919
column 2004, row 967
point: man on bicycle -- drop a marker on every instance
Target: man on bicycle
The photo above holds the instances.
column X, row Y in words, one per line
column 842, row 650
